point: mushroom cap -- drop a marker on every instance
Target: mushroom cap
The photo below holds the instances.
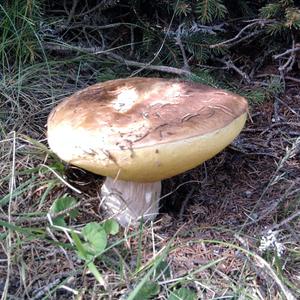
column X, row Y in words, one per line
column 144, row 129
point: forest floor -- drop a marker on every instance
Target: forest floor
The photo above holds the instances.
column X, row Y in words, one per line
column 228, row 229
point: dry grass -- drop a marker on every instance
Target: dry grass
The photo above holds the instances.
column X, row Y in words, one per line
column 212, row 246
column 228, row 229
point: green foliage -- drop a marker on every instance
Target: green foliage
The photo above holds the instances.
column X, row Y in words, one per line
column 93, row 243
column 292, row 17
column 19, row 28
column 286, row 16
column 111, row 227
column 148, row 291
column 62, row 204
column 182, row 8
column 210, row 10
column 197, row 44
column 82, row 253
column 182, row 294
column 205, row 77
column 163, row 269
column 155, row 266
column 95, row 238
column 147, row 32
column 271, row 10
column 260, row 94
column 254, row 96
column 106, row 74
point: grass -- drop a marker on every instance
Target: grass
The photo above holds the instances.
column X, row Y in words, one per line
column 163, row 259
column 204, row 252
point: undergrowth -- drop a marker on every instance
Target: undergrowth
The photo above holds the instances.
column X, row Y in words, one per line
column 55, row 241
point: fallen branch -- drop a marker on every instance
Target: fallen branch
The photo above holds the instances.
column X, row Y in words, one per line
column 293, row 79
column 120, row 59
column 179, row 43
column 19, row 220
column 230, row 65
column 283, row 69
column 292, row 50
column 160, row 68
column 291, row 60
column 96, row 27
column 236, row 39
column 286, row 221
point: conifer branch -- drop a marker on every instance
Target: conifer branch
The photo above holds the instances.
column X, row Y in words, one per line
column 292, row 50
column 179, row 43
column 237, row 38
column 160, row 68
column 120, row 59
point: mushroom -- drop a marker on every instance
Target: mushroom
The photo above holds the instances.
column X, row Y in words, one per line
column 139, row 131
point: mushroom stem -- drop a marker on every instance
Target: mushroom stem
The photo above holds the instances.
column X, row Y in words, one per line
column 129, row 201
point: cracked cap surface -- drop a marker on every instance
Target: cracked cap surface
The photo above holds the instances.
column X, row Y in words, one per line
column 141, row 129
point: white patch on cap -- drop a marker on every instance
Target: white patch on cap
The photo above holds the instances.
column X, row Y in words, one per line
column 125, row 99
column 174, row 91
column 170, row 95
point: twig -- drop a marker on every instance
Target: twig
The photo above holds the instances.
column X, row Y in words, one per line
column 109, row 53
column 72, row 12
column 287, row 220
column 246, row 37
column 46, row 289
column 288, row 65
column 101, row 6
column 291, row 109
column 257, row 153
column 278, row 124
column 19, row 220
column 131, row 41
column 266, row 266
column 147, row 66
column 184, row 203
column 9, row 235
column 179, row 43
column 98, row 27
column 290, row 62
column 62, row 179
column 230, row 65
column 276, row 109
column 196, row 27
column 274, row 179
column 292, row 50
column 293, row 79
column 236, row 39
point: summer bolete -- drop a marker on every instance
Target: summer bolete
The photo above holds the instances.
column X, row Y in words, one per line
column 138, row 131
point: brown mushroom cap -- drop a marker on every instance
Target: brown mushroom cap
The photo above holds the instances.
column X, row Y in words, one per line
column 144, row 129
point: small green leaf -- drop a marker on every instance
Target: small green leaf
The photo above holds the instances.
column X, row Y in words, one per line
column 61, row 204
column 3, row 236
column 83, row 254
column 163, row 269
column 58, row 166
column 95, row 234
column 148, row 291
column 81, row 251
column 182, row 294
column 111, row 226
column 59, row 221
column 96, row 273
